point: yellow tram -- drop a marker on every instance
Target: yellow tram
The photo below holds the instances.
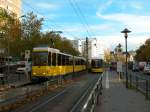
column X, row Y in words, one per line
column 48, row 62
column 97, row 65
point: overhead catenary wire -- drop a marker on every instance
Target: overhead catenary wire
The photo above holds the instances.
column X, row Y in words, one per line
column 81, row 16
column 78, row 14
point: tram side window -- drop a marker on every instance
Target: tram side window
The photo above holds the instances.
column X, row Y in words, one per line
column 84, row 62
column 93, row 63
column 80, row 62
column 70, row 60
column 77, row 62
column 67, row 60
column 73, row 61
column 59, row 59
column 54, row 59
column 63, row 59
column 49, row 59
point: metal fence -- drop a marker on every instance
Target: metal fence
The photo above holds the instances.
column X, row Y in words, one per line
column 93, row 98
column 140, row 83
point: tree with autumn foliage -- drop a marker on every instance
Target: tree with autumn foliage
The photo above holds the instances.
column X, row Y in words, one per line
column 10, row 29
column 26, row 35
column 143, row 53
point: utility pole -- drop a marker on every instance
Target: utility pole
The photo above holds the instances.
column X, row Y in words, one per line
column 87, row 58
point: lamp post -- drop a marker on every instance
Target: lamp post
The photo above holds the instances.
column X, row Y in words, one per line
column 126, row 31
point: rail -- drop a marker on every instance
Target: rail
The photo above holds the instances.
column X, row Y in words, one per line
column 93, row 98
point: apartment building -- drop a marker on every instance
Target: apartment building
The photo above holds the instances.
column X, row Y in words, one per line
column 11, row 6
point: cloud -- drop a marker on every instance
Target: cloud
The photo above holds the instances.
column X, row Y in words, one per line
column 105, row 5
column 99, row 27
column 111, row 42
column 137, row 5
column 46, row 5
column 139, row 23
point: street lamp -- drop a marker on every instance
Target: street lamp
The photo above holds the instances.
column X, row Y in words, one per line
column 126, row 31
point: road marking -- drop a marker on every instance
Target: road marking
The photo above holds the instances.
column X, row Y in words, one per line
column 42, row 104
column 107, row 80
column 119, row 76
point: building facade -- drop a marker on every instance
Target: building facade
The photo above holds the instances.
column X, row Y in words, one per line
column 95, row 48
column 11, row 6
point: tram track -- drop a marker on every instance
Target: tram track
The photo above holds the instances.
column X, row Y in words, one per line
column 78, row 105
column 65, row 100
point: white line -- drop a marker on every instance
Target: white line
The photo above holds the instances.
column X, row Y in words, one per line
column 107, row 80
column 42, row 104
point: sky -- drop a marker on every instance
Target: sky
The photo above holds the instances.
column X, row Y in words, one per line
column 101, row 19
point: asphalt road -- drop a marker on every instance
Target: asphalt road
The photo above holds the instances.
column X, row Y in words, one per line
column 62, row 100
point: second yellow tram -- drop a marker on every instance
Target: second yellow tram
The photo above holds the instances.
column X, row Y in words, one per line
column 97, row 65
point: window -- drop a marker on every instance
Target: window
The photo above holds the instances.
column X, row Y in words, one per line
column 67, row 60
column 59, row 59
column 63, row 59
column 70, row 60
column 79, row 61
column 40, row 58
column 76, row 62
column 49, row 59
column 54, row 59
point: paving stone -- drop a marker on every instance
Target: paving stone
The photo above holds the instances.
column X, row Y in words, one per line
column 117, row 98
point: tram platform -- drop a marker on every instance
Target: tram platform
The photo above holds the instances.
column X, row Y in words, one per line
column 117, row 98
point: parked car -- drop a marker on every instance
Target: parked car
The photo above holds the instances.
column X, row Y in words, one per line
column 24, row 68
column 141, row 65
column 147, row 69
column 135, row 67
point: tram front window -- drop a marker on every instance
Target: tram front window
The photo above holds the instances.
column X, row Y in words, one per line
column 96, row 63
column 40, row 59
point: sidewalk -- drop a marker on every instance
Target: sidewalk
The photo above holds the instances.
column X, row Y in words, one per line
column 116, row 98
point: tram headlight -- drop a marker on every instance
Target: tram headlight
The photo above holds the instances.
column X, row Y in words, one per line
column 34, row 73
column 44, row 73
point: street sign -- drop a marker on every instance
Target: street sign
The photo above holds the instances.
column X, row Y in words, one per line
column 27, row 54
column 119, row 66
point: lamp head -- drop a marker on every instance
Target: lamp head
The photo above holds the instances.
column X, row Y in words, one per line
column 126, row 31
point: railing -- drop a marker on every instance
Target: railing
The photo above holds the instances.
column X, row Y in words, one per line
column 140, row 83
column 93, row 98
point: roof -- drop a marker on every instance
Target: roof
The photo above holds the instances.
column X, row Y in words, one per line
column 53, row 50
column 46, row 49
